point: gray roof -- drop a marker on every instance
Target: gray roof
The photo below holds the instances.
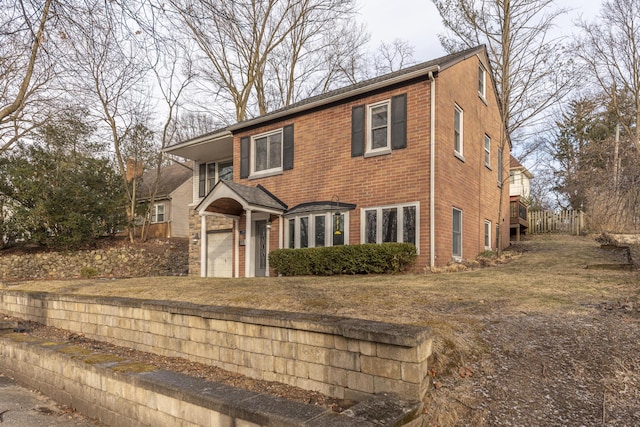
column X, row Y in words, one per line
column 171, row 177
column 257, row 196
column 405, row 74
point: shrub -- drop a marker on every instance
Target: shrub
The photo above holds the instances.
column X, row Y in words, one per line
column 88, row 272
column 348, row 259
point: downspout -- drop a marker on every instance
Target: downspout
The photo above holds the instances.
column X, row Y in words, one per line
column 432, row 175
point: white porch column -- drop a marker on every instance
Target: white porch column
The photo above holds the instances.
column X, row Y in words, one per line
column 280, row 232
column 236, row 252
column 203, row 246
column 248, row 245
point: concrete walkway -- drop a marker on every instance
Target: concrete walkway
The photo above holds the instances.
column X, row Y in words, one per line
column 24, row 408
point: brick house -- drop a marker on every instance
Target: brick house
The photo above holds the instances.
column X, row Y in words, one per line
column 413, row 156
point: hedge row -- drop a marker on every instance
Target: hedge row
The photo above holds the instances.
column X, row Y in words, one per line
column 347, row 259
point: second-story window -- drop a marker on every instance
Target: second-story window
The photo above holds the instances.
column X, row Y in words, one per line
column 458, row 127
column 267, row 152
column 210, row 173
column 379, row 131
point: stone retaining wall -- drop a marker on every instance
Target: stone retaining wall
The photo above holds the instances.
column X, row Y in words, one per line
column 339, row 357
column 119, row 394
column 166, row 258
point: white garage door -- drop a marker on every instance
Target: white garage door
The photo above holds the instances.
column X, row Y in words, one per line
column 220, row 254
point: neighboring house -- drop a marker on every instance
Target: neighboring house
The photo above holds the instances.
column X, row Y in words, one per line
column 413, row 156
column 170, row 210
column 519, row 198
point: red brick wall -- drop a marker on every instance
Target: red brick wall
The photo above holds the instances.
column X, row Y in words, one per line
column 324, row 168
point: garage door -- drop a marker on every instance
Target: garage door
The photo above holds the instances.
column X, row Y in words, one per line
column 220, row 254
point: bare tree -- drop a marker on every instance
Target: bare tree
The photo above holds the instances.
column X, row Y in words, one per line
column 610, row 47
column 393, row 56
column 530, row 68
column 23, row 70
column 109, row 69
column 239, row 41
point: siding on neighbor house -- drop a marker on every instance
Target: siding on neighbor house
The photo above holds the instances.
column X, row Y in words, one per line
column 180, row 200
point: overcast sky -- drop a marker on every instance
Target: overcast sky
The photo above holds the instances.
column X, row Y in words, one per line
column 418, row 22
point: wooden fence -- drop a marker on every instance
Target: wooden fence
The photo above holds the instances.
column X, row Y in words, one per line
column 567, row 222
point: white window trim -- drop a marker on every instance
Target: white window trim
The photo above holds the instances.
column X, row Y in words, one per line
column 487, row 226
column 328, row 228
column 382, row 150
column 487, row 151
column 400, row 232
column 154, row 214
column 459, row 153
column 483, row 93
column 454, row 256
column 252, row 155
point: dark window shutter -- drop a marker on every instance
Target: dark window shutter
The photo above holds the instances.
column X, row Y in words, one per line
column 287, row 147
column 357, row 131
column 399, row 121
column 202, row 179
column 244, row 157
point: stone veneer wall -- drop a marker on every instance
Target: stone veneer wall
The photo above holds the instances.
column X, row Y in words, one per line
column 339, row 357
column 170, row 258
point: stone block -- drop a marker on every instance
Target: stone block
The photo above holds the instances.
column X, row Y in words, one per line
column 360, row 382
column 313, row 354
column 345, row 360
column 381, row 367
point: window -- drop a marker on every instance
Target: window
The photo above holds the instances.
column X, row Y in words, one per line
column 457, row 130
column 500, row 172
column 319, row 230
column 202, row 179
column 311, row 230
column 378, row 128
column 157, row 215
column 397, row 223
column 225, row 171
column 487, row 235
column 211, row 176
column 457, row 234
column 210, row 173
column 482, row 78
column 267, row 152
column 487, row 151
column 512, row 177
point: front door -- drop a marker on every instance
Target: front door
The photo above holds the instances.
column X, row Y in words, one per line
column 261, row 248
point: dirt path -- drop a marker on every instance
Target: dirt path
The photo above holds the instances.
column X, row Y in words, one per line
column 562, row 368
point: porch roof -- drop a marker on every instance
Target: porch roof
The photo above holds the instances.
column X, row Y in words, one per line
column 232, row 198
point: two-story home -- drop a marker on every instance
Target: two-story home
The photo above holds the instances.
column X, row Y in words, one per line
column 519, row 198
column 418, row 156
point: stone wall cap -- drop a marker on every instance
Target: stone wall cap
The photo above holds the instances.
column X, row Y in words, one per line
column 361, row 329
